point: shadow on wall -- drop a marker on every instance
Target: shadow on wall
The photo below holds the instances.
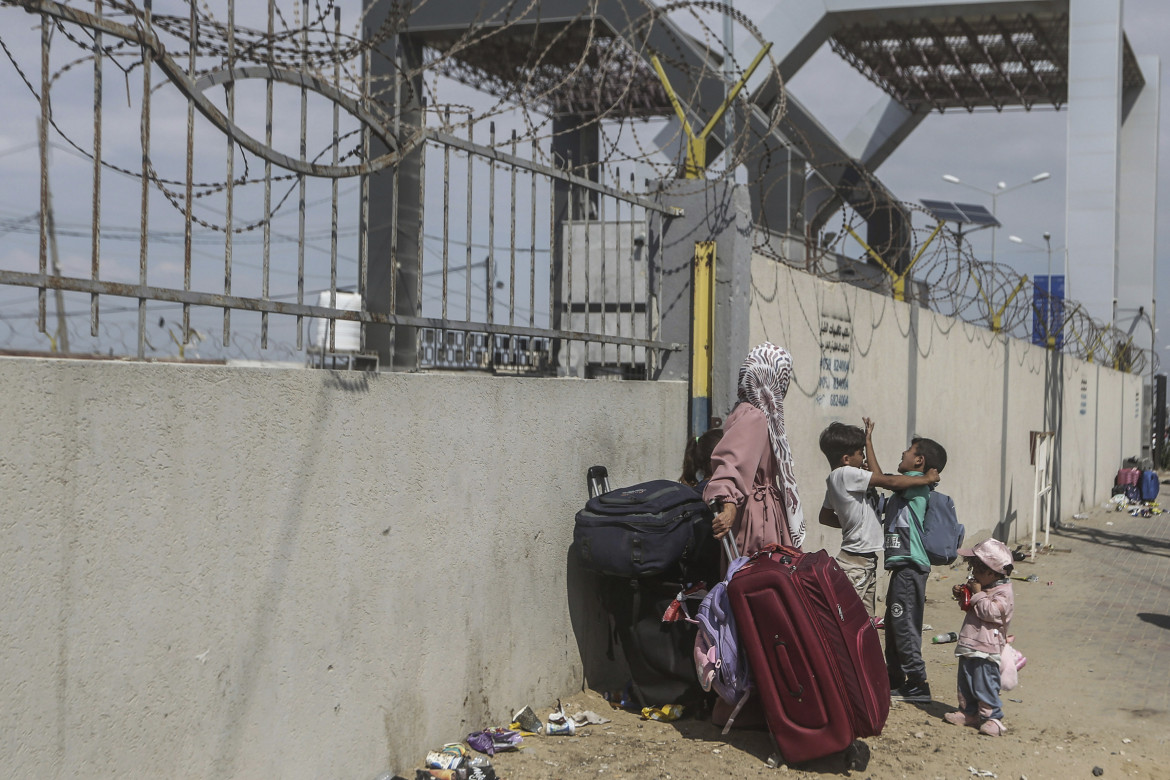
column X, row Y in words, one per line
column 1004, row 527
column 602, row 664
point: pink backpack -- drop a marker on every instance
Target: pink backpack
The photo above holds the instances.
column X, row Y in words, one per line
column 720, row 662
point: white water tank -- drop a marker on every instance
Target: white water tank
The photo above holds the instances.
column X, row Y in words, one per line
column 347, row 335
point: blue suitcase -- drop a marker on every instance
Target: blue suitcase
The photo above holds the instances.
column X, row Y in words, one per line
column 1148, row 485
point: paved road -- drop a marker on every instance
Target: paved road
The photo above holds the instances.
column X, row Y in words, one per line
column 1095, row 627
column 1125, row 614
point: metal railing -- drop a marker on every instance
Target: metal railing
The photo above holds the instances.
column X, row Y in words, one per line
column 231, row 264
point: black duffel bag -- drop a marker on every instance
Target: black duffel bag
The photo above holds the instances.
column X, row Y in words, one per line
column 643, row 530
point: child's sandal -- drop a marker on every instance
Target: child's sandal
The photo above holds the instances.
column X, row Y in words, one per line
column 993, row 727
column 960, row 718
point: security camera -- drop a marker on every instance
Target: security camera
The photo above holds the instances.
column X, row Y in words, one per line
column 640, row 240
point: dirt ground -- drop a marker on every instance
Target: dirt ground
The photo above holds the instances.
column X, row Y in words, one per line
column 1083, row 703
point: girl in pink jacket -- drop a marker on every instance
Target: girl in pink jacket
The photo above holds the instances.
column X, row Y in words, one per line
column 989, row 601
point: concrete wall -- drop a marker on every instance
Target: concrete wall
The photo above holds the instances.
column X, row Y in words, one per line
column 978, row 394
column 242, row 572
column 228, row 572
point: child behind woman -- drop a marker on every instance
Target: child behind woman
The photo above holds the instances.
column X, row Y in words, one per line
column 696, row 468
column 983, row 636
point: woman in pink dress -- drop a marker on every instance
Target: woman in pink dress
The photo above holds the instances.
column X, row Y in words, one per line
column 752, row 471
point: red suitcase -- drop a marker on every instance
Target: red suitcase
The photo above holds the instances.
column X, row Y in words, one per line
column 815, row 657
column 1128, row 476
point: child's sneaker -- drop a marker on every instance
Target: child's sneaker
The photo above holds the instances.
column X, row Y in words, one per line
column 912, row 692
column 993, row 728
column 960, row 718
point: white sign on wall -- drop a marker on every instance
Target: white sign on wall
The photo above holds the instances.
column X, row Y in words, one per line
column 836, row 336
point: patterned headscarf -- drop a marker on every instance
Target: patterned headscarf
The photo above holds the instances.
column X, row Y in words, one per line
column 763, row 383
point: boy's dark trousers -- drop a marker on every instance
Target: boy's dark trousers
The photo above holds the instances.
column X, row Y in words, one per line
column 905, row 602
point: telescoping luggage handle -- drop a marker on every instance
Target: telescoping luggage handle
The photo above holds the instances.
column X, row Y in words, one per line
column 729, row 545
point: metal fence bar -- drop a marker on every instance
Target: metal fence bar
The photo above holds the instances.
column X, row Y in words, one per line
column 189, row 183
column 604, row 252
column 532, row 250
column 553, row 314
column 422, row 191
column 633, row 273
column 332, row 324
column 470, row 185
column 95, row 242
column 512, row 247
column 491, row 256
column 446, row 210
column 651, row 361
column 230, row 95
column 43, row 140
column 145, row 208
column 587, row 216
column 267, row 175
column 170, row 295
column 617, row 282
column 571, row 213
column 364, row 197
column 301, row 183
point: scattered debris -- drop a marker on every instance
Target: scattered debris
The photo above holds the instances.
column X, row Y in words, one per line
column 589, row 718
column 1098, row 771
column 981, row 772
column 525, row 720
column 665, row 713
column 451, row 756
column 560, row 724
column 495, row 740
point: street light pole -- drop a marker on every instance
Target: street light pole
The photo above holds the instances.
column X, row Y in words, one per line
column 1051, row 302
column 1048, row 244
column 1000, row 189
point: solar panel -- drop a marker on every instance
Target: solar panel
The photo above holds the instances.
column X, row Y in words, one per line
column 976, row 214
column 962, row 213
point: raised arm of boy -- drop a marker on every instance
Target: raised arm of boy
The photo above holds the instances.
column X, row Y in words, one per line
column 891, row 481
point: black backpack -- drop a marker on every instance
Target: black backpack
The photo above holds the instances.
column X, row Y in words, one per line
column 643, row 530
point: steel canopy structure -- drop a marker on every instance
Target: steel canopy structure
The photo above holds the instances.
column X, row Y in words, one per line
column 958, row 61
column 577, row 67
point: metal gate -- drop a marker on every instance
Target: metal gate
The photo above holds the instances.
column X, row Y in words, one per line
column 255, row 214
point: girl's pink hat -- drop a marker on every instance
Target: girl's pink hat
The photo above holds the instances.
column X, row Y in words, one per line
column 992, row 552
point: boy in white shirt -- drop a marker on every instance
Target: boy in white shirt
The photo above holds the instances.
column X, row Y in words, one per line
column 846, row 506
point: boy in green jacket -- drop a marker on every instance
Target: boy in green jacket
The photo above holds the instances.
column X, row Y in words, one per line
column 909, row 567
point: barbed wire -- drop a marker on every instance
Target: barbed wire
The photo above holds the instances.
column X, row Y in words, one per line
column 533, row 74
